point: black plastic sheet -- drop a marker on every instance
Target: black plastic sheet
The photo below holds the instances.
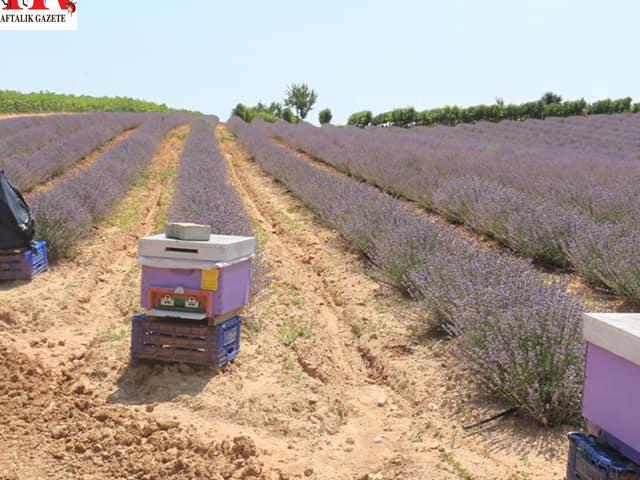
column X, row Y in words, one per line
column 17, row 226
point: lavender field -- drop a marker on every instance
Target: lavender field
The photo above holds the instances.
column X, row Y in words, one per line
column 518, row 333
column 68, row 140
column 66, row 211
column 15, row 125
column 564, row 192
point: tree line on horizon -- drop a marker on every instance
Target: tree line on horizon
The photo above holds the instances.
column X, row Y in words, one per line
column 549, row 105
column 12, row 101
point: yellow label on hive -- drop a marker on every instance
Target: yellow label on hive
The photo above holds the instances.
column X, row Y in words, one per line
column 209, row 279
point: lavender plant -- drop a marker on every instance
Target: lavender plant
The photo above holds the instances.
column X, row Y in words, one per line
column 517, row 332
column 30, row 168
column 203, row 193
column 31, row 139
column 65, row 212
column 531, row 185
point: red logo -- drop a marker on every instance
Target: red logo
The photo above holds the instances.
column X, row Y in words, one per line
column 38, row 15
column 68, row 5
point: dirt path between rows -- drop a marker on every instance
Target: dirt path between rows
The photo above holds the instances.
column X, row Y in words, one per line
column 373, row 397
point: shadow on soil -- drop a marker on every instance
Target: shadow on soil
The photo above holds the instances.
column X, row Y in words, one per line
column 516, row 435
column 149, row 383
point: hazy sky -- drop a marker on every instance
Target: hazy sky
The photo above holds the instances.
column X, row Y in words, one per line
column 209, row 55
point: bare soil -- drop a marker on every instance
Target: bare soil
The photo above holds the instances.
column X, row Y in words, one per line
column 335, row 379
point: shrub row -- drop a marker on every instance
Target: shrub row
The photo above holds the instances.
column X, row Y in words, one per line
column 14, row 125
column 272, row 113
column 17, row 102
column 65, row 212
column 204, row 195
column 37, row 136
column 67, row 142
column 453, row 115
column 519, row 333
column 570, row 200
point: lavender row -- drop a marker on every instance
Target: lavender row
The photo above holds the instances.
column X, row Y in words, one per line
column 203, row 193
column 555, row 174
column 12, row 125
column 29, row 169
column 65, row 212
column 37, row 136
column 31, row 139
column 518, row 333
column 563, row 208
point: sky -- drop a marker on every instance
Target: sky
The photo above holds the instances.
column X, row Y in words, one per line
column 209, row 55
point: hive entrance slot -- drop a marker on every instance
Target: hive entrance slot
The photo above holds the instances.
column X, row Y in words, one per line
column 181, row 250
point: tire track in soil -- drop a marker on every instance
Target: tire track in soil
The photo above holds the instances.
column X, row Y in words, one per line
column 417, row 382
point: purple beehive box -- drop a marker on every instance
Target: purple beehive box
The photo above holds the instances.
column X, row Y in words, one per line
column 221, row 267
column 612, row 376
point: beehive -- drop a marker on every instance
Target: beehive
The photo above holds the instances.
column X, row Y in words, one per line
column 612, row 378
column 216, row 272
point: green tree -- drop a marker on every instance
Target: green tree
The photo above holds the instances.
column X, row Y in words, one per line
column 550, row 97
column 325, row 116
column 301, row 98
column 242, row 111
column 275, row 109
column 360, row 119
column 288, row 116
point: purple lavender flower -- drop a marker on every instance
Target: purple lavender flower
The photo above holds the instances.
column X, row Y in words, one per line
column 519, row 334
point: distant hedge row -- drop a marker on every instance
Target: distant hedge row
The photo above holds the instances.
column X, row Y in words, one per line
column 452, row 115
column 17, row 102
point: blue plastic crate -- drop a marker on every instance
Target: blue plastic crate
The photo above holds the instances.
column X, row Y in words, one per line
column 182, row 341
column 620, row 446
column 592, row 459
column 24, row 264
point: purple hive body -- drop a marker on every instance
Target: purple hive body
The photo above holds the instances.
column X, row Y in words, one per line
column 611, row 393
column 234, row 285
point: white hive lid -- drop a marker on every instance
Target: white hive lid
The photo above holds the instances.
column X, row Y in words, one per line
column 219, row 248
column 618, row 333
